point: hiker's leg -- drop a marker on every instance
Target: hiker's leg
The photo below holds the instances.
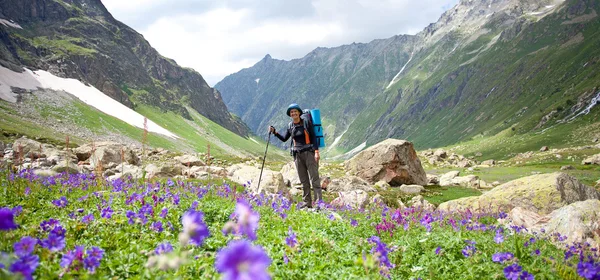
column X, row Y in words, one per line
column 313, row 172
column 300, row 161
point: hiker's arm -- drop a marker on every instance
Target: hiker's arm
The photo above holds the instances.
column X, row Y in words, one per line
column 283, row 137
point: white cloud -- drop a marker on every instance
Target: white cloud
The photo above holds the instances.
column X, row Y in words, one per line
column 218, row 38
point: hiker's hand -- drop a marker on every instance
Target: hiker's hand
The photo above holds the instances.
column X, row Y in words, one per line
column 271, row 129
column 317, row 156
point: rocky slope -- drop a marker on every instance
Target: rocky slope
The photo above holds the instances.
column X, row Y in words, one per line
column 484, row 67
column 80, row 39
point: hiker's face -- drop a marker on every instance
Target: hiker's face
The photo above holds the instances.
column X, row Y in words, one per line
column 295, row 114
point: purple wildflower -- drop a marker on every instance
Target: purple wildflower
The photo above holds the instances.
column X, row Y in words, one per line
column 526, row 276
column 291, row 239
column 241, row 260
column 512, row 271
column 61, row 202
column 247, row 220
column 163, row 248
column 499, row 238
column 468, row 251
column 106, row 213
column 194, row 227
column 59, row 230
column 438, row 250
column 25, row 265
column 502, row 257
column 353, row 222
column 49, row 224
column 588, row 270
column 381, row 252
column 17, row 210
column 25, row 246
column 54, row 242
column 87, row 219
column 157, row 226
column 7, row 221
column 131, row 216
column 91, row 263
column 164, row 212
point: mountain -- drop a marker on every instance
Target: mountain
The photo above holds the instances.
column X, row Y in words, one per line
column 80, row 39
column 523, row 69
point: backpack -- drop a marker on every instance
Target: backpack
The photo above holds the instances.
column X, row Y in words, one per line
column 306, row 118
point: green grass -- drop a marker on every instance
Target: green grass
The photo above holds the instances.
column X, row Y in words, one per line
column 63, row 45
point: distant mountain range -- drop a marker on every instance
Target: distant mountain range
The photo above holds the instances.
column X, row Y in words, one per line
column 485, row 67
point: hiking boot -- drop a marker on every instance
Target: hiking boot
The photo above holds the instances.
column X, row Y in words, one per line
column 305, row 206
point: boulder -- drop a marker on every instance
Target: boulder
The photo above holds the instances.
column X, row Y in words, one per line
column 579, row 221
column 446, row 179
column 356, row 199
column 420, row 203
column 567, row 167
column 271, row 181
column 433, row 179
column 44, row 172
column 28, row 147
column 382, row 185
column 106, row 153
column 595, row 159
column 68, row 167
column 541, row 193
column 125, row 170
column 349, row 183
column 163, row 170
column 489, row 162
column 520, row 216
column 544, row 149
column 478, row 154
column 290, row 175
column 394, row 161
column 412, row 189
column 440, row 153
column 189, row 160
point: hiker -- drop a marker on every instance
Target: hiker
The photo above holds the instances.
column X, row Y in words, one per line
column 305, row 151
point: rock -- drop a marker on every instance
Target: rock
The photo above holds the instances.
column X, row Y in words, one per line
column 189, row 160
column 349, row 183
column 377, row 200
column 478, row 154
column 356, row 199
column 382, row 185
column 595, row 159
column 106, row 153
column 542, row 194
column 63, row 166
column 432, row 179
column 290, row 175
column 464, row 163
column 595, row 140
column 411, row 189
column 544, row 149
column 446, row 179
column 489, row 162
column 45, row 172
column 400, row 204
column 567, row 167
column 26, row 146
column 579, row 221
column 420, row 203
column 394, row 161
column 495, row 183
column 163, row 170
column 440, row 153
column 520, row 216
column 469, row 181
column 271, row 181
column 125, row 170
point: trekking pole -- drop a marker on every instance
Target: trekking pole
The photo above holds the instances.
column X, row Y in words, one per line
column 264, row 158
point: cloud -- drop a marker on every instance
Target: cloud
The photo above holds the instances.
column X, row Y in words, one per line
column 218, row 38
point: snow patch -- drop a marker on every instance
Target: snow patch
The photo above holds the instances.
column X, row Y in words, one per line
column 587, row 109
column 356, row 150
column 486, row 96
column 401, row 70
column 336, row 140
column 535, row 13
column 10, row 23
column 89, row 95
column 257, row 80
column 252, row 139
column 549, row 6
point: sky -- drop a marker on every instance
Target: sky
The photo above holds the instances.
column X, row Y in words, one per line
column 221, row 37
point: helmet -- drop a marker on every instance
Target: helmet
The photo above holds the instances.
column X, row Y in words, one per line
column 293, row 106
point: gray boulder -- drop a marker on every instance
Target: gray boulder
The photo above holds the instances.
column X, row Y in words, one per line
column 394, row 161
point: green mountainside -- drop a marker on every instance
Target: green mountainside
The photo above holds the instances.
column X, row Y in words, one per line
column 80, row 39
column 517, row 69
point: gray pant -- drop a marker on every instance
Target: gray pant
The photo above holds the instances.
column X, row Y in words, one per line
column 308, row 172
